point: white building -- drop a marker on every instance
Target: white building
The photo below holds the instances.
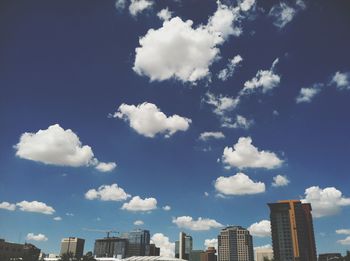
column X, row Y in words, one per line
column 261, row 253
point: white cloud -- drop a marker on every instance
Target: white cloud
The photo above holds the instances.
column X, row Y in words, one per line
column 246, row 5
column 211, row 243
column 7, row 206
column 70, row 214
column 263, row 247
column 240, row 122
column 120, row 4
column 239, row 184
column 147, row 119
column 164, row 14
column 227, row 72
column 167, row 248
column 106, row 167
column 57, row 218
column 206, row 194
column 182, row 51
column 211, row 135
column 107, row 193
column 138, row 223
column 283, row 14
column 138, row 6
column 280, row 181
column 176, row 50
column 222, row 22
column 343, row 231
column 201, row 224
column 167, row 208
column 325, row 202
column 265, row 80
column 55, row 146
column 260, row 229
column 38, row 237
column 35, row 206
column 307, row 94
column 139, row 204
column 341, row 80
column 345, row 241
column 245, row 155
column 221, row 104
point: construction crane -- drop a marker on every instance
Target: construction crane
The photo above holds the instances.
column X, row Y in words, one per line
column 108, row 232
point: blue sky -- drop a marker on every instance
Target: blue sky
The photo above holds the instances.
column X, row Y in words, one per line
column 200, row 108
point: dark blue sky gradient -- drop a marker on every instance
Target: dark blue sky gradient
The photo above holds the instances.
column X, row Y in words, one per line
column 70, row 62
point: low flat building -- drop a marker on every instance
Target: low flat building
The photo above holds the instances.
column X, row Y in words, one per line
column 329, row 256
column 196, row 255
column 25, row 251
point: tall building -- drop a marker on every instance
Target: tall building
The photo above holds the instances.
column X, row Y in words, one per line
column 111, row 247
column 235, row 244
column 152, row 250
column 292, row 231
column 72, row 245
column 139, row 241
column 183, row 246
column 11, row 251
column 209, row 254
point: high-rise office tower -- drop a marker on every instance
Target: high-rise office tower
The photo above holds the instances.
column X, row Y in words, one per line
column 139, row 241
column 111, row 247
column 292, row 231
column 235, row 244
column 72, row 245
column 183, row 246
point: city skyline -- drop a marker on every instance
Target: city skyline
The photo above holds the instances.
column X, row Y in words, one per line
column 172, row 116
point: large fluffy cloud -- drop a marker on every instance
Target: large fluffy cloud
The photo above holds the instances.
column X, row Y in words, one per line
column 167, row 248
column 147, row 120
column 38, row 237
column 7, row 206
column 245, row 155
column 239, row 184
column 107, row 193
column 200, row 224
column 56, row 146
column 260, row 229
column 182, row 51
column 325, row 202
column 35, row 206
column 139, row 204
